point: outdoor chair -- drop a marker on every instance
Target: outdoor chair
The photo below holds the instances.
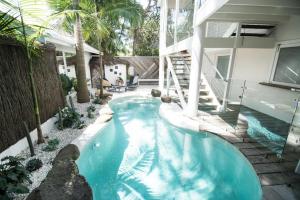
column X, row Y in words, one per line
column 134, row 85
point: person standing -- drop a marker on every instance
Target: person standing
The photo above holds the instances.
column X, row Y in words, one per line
column 131, row 74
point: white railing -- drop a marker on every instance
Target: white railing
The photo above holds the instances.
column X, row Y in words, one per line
column 176, row 82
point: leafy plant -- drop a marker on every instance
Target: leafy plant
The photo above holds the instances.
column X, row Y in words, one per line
column 13, row 175
column 99, row 100
column 79, row 124
column 74, row 84
column 90, row 111
column 34, row 164
column 66, row 83
column 52, row 145
column 91, row 108
column 69, row 118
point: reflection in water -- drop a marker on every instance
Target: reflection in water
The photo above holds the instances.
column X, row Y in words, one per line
column 140, row 156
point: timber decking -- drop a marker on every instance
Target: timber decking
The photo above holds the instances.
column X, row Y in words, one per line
column 277, row 176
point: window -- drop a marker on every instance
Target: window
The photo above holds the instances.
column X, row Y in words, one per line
column 222, row 66
column 287, row 65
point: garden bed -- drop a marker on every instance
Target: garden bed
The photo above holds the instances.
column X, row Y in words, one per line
column 65, row 137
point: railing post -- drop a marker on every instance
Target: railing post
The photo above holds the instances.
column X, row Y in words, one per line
column 195, row 75
column 230, row 69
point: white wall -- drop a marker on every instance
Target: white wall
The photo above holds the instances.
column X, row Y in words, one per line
column 87, row 57
column 23, row 144
column 111, row 73
column 289, row 30
column 70, row 71
column 253, row 65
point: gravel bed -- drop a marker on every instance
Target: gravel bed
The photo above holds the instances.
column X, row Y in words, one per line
column 65, row 137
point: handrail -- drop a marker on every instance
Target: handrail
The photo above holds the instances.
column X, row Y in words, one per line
column 176, row 82
column 186, row 66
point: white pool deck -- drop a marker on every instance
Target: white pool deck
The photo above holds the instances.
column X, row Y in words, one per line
column 277, row 176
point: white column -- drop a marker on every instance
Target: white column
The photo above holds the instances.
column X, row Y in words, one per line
column 65, row 62
column 230, row 69
column 162, row 42
column 176, row 20
column 195, row 74
column 161, row 72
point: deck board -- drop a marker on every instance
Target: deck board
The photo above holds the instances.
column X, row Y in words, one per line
column 276, row 174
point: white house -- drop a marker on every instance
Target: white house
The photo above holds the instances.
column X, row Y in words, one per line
column 65, row 47
column 222, row 52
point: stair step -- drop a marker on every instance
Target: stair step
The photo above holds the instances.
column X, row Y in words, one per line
column 204, row 92
column 205, row 99
column 182, row 73
column 183, row 78
column 207, row 107
column 202, row 87
column 180, row 55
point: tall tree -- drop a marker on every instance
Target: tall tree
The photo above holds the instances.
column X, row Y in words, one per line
column 146, row 37
column 82, row 89
column 105, row 17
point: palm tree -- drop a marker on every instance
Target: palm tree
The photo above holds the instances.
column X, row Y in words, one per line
column 68, row 14
column 82, row 92
column 103, row 18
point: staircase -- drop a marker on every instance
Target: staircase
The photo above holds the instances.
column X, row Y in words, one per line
column 181, row 63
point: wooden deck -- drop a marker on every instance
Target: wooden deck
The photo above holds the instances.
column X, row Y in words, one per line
column 277, row 176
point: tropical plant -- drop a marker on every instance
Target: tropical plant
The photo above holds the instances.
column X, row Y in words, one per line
column 69, row 118
column 13, row 175
column 74, row 84
column 34, row 164
column 103, row 22
column 52, row 145
column 69, row 13
column 91, row 108
column 79, row 124
column 98, row 100
column 90, row 111
column 146, row 36
column 66, row 83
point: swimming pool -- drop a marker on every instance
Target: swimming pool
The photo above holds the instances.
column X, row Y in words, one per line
column 139, row 155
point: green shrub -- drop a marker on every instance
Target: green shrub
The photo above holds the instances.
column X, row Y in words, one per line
column 68, row 118
column 79, row 124
column 52, row 145
column 66, row 83
column 13, row 175
column 90, row 114
column 34, row 164
column 91, row 108
column 74, row 84
column 98, row 100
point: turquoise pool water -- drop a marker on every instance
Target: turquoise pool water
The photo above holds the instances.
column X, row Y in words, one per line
column 138, row 155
